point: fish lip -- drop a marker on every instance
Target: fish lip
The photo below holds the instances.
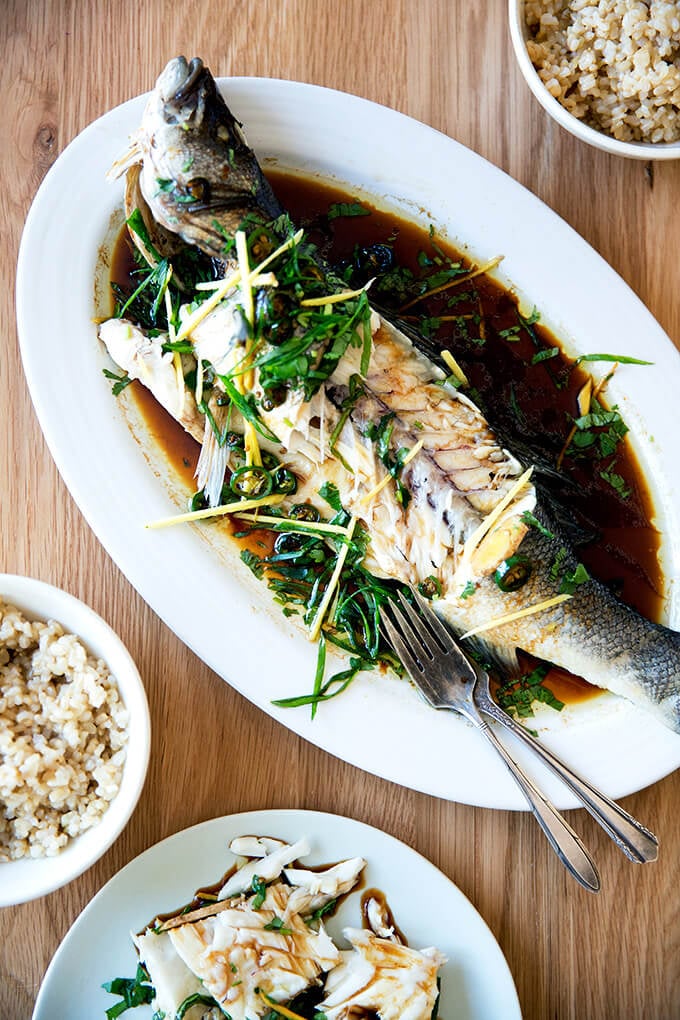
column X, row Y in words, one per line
column 179, row 79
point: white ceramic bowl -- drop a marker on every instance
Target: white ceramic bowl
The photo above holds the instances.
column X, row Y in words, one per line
column 519, row 34
column 28, row 879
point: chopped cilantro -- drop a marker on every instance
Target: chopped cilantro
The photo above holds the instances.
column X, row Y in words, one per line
column 136, row 991
column 572, row 579
column 120, row 381
column 329, row 492
column 517, row 696
column 599, row 430
column 380, row 433
column 558, row 565
column 135, row 222
column 253, row 561
column 569, row 579
column 617, row 482
column 337, row 209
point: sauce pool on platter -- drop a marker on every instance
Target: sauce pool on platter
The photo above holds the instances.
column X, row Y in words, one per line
column 515, row 372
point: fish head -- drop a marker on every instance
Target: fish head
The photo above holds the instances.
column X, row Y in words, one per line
column 199, row 177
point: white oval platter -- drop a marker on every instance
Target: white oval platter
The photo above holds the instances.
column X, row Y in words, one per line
column 202, row 591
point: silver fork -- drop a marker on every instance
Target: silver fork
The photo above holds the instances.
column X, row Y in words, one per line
column 447, row 680
column 631, row 837
column 461, row 678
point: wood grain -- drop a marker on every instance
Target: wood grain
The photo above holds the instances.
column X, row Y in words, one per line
column 448, row 63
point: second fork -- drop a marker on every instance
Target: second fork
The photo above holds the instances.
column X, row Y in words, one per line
column 446, row 680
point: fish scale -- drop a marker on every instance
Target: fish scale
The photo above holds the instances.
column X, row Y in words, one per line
column 592, row 635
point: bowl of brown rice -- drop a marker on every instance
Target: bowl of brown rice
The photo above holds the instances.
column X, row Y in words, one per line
column 606, row 70
column 74, row 738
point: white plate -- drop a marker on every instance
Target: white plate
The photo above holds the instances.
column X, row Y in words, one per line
column 204, row 593
column 430, row 910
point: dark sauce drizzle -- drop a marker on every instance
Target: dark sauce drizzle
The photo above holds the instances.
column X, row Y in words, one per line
column 528, row 405
column 379, row 896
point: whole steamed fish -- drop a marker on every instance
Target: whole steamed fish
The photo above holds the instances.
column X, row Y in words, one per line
column 437, row 494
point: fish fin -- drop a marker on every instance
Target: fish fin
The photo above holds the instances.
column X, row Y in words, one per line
column 500, row 658
column 212, row 464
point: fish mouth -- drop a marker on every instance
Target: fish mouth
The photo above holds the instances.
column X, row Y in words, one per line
column 179, row 80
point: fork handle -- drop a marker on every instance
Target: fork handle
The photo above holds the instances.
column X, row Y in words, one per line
column 631, row 837
column 558, row 832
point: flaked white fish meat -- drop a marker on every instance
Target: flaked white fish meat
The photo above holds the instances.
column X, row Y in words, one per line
column 239, row 953
column 266, row 945
column 379, row 974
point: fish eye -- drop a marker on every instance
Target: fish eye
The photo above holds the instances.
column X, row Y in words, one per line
column 199, row 189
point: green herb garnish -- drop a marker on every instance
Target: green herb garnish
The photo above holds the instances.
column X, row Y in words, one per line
column 545, row 355
column 135, row 222
column 517, row 696
column 119, row 381
column 528, row 518
column 254, row 562
column 617, row 482
column 380, row 433
column 259, row 887
column 245, row 404
column 329, row 492
column 430, row 588
column 572, row 579
column 136, row 991
column 337, row 209
column 320, row 912
column 194, row 1000
column 298, row 572
column 355, row 390
column 276, row 924
column 569, row 579
column 558, row 564
column 622, row 359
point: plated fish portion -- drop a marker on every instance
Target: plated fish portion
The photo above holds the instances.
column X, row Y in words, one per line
column 371, row 978
column 260, row 945
column 304, row 398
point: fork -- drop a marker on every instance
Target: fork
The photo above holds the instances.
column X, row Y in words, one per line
column 631, row 837
column 448, row 679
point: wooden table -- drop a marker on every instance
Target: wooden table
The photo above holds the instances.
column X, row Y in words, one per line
column 450, row 64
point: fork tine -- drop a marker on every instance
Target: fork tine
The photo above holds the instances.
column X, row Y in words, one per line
column 415, row 669
column 417, row 627
column 448, row 646
column 415, row 634
column 400, row 646
column 443, row 634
